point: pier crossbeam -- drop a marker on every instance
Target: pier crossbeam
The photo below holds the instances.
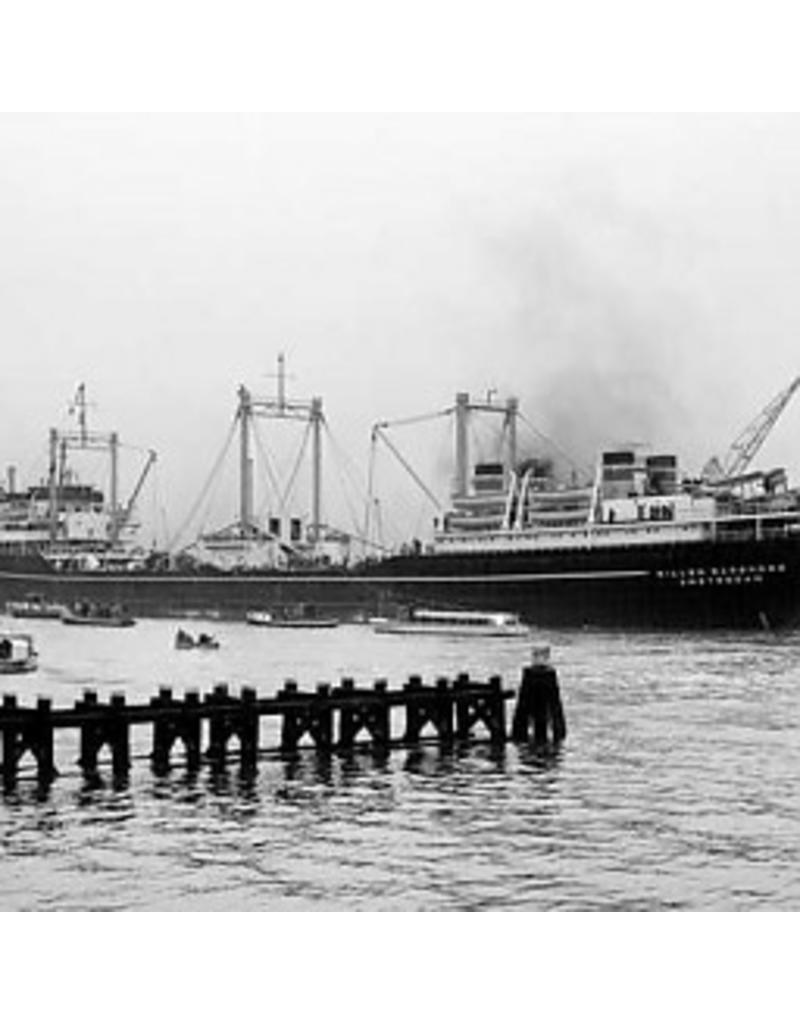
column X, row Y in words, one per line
column 332, row 718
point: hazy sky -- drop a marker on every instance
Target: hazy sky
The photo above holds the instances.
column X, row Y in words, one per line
column 628, row 278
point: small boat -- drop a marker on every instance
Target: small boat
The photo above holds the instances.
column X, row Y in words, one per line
column 431, row 622
column 17, row 653
column 85, row 614
column 186, row 642
column 34, row 606
column 288, row 621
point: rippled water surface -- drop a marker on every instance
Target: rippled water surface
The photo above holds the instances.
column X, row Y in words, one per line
column 676, row 789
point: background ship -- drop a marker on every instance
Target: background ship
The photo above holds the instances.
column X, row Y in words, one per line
column 637, row 545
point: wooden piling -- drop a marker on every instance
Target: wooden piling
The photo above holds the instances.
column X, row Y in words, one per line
column 416, row 715
column 379, row 720
column 164, row 731
column 189, row 729
column 495, row 715
column 290, row 726
column 218, row 725
column 248, row 731
column 441, row 713
column 539, row 705
column 117, row 735
column 43, row 742
column 349, row 716
column 320, row 723
column 91, row 734
column 11, row 744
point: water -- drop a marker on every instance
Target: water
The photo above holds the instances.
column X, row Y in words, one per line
column 676, row 788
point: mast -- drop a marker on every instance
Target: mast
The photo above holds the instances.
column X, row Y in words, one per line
column 462, row 444
column 512, row 407
column 316, row 458
column 80, row 405
column 64, row 441
column 281, row 384
column 113, row 452
column 52, row 496
column 280, row 406
column 62, row 463
column 245, row 466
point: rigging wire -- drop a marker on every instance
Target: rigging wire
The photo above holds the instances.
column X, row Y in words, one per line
column 273, row 479
column 340, row 463
column 206, row 487
column 287, row 492
column 409, row 469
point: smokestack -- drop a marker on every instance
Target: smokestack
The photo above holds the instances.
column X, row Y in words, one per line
column 12, row 479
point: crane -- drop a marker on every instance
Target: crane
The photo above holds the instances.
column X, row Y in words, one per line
column 742, row 450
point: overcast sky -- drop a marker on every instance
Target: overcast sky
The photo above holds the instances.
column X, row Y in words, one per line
column 628, row 278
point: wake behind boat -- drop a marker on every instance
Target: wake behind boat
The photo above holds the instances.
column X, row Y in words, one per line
column 430, row 622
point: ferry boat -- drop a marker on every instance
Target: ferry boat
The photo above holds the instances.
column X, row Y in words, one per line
column 639, row 544
column 289, row 620
column 34, row 606
column 17, row 653
column 84, row 613
column 436, row 622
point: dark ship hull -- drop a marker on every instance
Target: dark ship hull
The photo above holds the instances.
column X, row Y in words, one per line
column 701, row 586
column 747, row 584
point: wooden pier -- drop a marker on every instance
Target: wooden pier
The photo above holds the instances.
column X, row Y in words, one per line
column 331, row 718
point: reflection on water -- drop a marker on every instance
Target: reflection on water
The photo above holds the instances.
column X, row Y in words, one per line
column 676, row 787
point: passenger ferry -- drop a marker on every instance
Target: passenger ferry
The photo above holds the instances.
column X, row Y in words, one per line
column 430, row 622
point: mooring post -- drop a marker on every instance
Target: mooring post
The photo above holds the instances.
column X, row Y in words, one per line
column 443, row 711
column 289, row 725
column 248, row 730
column 45, row 767
column 90, row 734
column 463, row 717
column 348, row 716
column 190, row 729
column 218, row 731
column 163, row 732
column 322, row 714
column 539, row 703
column 415, row 713
column 10, row 742
column 118, row 734
column 496, row 719
column 381, row 728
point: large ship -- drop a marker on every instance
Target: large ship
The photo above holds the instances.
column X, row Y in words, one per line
column 638, row 545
